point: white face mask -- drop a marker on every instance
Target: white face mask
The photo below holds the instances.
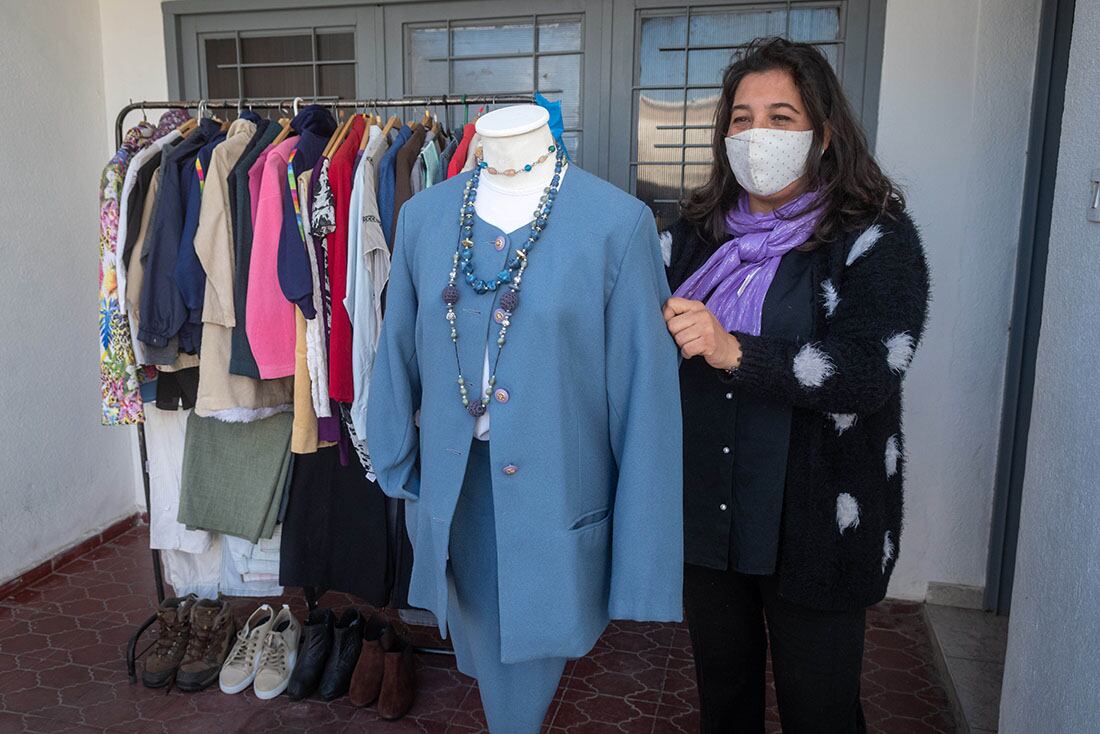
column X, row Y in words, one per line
column 766, row 161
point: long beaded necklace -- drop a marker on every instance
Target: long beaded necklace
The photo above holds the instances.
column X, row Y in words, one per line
column 511, row 275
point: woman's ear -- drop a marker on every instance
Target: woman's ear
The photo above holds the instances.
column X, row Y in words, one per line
column 826, row 138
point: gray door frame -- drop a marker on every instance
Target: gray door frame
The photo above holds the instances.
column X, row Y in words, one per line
column 1052, row 65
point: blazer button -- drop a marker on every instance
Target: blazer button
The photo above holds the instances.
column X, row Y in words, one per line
column 500, row 242
column 511, row 469
column 725, row 449
column 501, row 395
column 729, row 396
column 722, row 507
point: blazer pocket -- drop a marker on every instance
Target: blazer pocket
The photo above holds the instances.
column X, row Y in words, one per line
column 589, row 519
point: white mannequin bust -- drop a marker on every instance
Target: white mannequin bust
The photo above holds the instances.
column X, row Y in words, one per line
column 511, row 137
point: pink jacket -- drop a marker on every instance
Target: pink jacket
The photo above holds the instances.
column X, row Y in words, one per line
column 270, row 317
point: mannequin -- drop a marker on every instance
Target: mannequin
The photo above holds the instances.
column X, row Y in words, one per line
column 511, row 137
column 526, row 545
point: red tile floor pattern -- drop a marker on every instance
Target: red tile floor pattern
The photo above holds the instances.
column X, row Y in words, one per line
column 62, row 669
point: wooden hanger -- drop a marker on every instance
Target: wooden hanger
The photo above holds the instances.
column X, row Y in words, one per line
column 394, row 120
column 188, row 125
column 332, row 138
column 285, row 122
column 366, row 133
column 341, row 134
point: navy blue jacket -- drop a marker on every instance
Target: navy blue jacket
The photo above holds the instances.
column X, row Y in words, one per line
column 189, row 276
column 163, row 310
column 315, row 125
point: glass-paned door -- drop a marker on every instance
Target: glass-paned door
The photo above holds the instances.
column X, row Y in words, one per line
column 279, row 54
column 679, row 53
column 314, row 63
column 501, row 48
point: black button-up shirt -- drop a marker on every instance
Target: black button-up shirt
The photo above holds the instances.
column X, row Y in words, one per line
column 736, row 443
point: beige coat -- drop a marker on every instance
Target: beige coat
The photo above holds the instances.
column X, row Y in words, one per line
column 222, row 395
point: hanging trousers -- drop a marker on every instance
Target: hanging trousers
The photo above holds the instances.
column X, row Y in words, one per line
column 515, row 696
column 816, row 656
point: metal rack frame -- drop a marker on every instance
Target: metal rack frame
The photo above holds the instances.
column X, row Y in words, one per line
column 289, row 104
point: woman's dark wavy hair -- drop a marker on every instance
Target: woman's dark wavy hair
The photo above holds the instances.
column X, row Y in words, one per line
column 855, row 190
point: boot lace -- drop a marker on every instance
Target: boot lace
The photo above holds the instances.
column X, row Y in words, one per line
column 172, row 630
column 199, row 642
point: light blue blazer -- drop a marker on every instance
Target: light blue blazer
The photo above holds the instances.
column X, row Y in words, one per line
column 589, row 517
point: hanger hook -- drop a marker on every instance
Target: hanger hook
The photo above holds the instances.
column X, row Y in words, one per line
column 240, row 105
column 295, row 105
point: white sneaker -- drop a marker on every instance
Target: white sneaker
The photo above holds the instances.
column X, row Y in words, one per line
column 239, row 669
column 280, row 655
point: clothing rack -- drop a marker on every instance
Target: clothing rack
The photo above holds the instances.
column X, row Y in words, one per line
column 290, row 105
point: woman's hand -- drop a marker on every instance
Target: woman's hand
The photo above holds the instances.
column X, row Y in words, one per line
column 698, row 333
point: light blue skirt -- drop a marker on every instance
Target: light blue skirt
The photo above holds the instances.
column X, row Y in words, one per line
column 515, row 696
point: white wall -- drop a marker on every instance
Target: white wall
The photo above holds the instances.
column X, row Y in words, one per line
column 63, row 475
column 1052, row 676
column 133, row 62
column 133, row 57
column 953, row 129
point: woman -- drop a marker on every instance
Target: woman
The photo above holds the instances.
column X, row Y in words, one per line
column 801, row 289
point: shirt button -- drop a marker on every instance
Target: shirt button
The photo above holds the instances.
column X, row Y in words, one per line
column 729, row 396
column 725, row 449
column 511, row 469
column 501, row 395
column 722, row 507
column 500, row 242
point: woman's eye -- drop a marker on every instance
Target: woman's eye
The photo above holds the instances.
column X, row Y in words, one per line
column 780, row 118
column 740, row 120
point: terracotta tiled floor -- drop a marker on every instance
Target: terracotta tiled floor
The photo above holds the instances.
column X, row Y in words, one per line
column 62, row 670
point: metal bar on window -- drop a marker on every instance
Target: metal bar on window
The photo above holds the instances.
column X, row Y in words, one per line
column 313, row 54
column 516, row 55
column 271, row 64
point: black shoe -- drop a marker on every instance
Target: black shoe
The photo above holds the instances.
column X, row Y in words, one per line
column 313, row 654
column 347, row 643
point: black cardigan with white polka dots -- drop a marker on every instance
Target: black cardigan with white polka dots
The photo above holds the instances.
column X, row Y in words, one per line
column 842, row 505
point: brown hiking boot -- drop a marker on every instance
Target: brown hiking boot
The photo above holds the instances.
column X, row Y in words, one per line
column 174, row 620
column 213, row 629
column 398, row 677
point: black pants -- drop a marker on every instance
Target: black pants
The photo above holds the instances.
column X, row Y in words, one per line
column 816, row 656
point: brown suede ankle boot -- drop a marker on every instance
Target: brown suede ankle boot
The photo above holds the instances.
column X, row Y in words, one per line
column 366, row 681
column 398, row 677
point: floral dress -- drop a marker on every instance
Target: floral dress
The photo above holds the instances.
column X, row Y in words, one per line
column 119, row 375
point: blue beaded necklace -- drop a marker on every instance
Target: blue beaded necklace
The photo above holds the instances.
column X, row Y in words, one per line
column 511, row 276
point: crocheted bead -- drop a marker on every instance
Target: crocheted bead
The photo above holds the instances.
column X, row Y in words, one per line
column 509, row 301
column 450, row 295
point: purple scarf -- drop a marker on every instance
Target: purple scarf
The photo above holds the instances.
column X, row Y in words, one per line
column 734, row 281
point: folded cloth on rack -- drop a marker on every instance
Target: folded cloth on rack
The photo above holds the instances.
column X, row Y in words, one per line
column 164, row 440
column 251, row 557
column 234, row 475
column 268, row 548
column 195, row 573
column 233, row 583
column 270, row 567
